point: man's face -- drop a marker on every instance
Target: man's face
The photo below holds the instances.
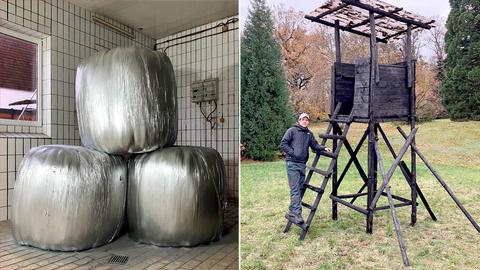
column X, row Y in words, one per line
column 303, row 122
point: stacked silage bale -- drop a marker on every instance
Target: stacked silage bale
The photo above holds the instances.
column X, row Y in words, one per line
column 126, row 104
column 176, row 196
column 68, row 198
column 126, row 101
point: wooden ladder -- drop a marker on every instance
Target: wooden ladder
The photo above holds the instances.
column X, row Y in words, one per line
column 326, row 174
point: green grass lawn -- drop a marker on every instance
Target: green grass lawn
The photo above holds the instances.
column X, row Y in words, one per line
column 453, row 148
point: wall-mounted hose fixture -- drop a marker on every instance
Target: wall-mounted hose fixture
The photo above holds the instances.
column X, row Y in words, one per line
column 101, row 21
column 223, row 25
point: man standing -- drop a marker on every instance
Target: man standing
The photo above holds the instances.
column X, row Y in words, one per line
column 296, row 143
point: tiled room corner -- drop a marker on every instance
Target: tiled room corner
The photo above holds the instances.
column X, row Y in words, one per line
column 68, row 36
column 208, row 52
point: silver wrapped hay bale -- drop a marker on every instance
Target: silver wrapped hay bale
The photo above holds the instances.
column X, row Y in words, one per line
column 68, row 198
column 176, row 196
column 126, row 101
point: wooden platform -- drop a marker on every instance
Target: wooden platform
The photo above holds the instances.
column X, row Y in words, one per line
column 222, row 254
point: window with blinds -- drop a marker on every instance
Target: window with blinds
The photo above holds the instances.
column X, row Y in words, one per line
column 19, row 77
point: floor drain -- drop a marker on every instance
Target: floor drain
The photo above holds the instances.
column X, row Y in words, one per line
column 116, row 259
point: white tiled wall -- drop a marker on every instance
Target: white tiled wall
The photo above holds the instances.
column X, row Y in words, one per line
column 69, row 36
column 210, row 54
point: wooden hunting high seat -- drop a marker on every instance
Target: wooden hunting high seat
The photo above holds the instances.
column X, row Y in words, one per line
column 370, row 93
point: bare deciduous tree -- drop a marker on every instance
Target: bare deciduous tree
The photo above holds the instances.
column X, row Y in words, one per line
column 436, row 39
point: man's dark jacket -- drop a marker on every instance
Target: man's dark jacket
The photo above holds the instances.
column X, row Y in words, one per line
column 296, row 141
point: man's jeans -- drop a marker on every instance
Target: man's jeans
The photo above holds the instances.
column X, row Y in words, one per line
column 296, row 178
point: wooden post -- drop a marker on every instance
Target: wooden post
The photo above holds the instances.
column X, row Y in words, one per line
column 338, row 55
column 332, row 90
column 370, row 171
column 375, row 161
column 408, row 55
column 338, row 58
column 444, row 185
column 396, row 224
column 413, row 159
column 334, row 175
column 373, row 50
column 411, row 85
column 371, row 125
column 371, row 176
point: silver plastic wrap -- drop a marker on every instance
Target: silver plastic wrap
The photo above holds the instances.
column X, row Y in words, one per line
column 176, row 196
column 68, row 198
column 126, row 101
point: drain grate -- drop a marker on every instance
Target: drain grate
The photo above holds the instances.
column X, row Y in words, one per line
column 116, row 259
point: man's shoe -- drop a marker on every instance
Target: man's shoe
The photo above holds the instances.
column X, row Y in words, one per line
column 295, row 218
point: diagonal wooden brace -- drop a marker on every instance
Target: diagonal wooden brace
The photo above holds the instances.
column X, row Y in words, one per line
column 444, row 185
column 407, row 174
column 390, row 172
column 396, row 224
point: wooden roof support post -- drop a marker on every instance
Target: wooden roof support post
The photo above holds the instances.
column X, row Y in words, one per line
column 338, row 59
column 373, row 51
column 408, row 54
column 338, row 55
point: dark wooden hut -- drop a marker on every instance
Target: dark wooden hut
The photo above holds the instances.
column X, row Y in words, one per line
column 382, row 92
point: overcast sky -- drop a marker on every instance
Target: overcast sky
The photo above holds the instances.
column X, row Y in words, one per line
column 420, row 7
column 438, row 8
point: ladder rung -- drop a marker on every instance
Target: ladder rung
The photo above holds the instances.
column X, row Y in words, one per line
column 309, row 206
column 327, row 154
column 345, row 121
column 330, row 136
column 291, row 220
column 314, row 188
column 303, row 226
column 324, row 173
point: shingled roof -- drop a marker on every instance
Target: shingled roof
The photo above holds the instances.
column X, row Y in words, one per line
column 353, row 16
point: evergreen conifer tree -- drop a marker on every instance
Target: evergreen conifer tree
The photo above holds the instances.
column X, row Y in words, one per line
column 265, row 110
column 461, row 86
